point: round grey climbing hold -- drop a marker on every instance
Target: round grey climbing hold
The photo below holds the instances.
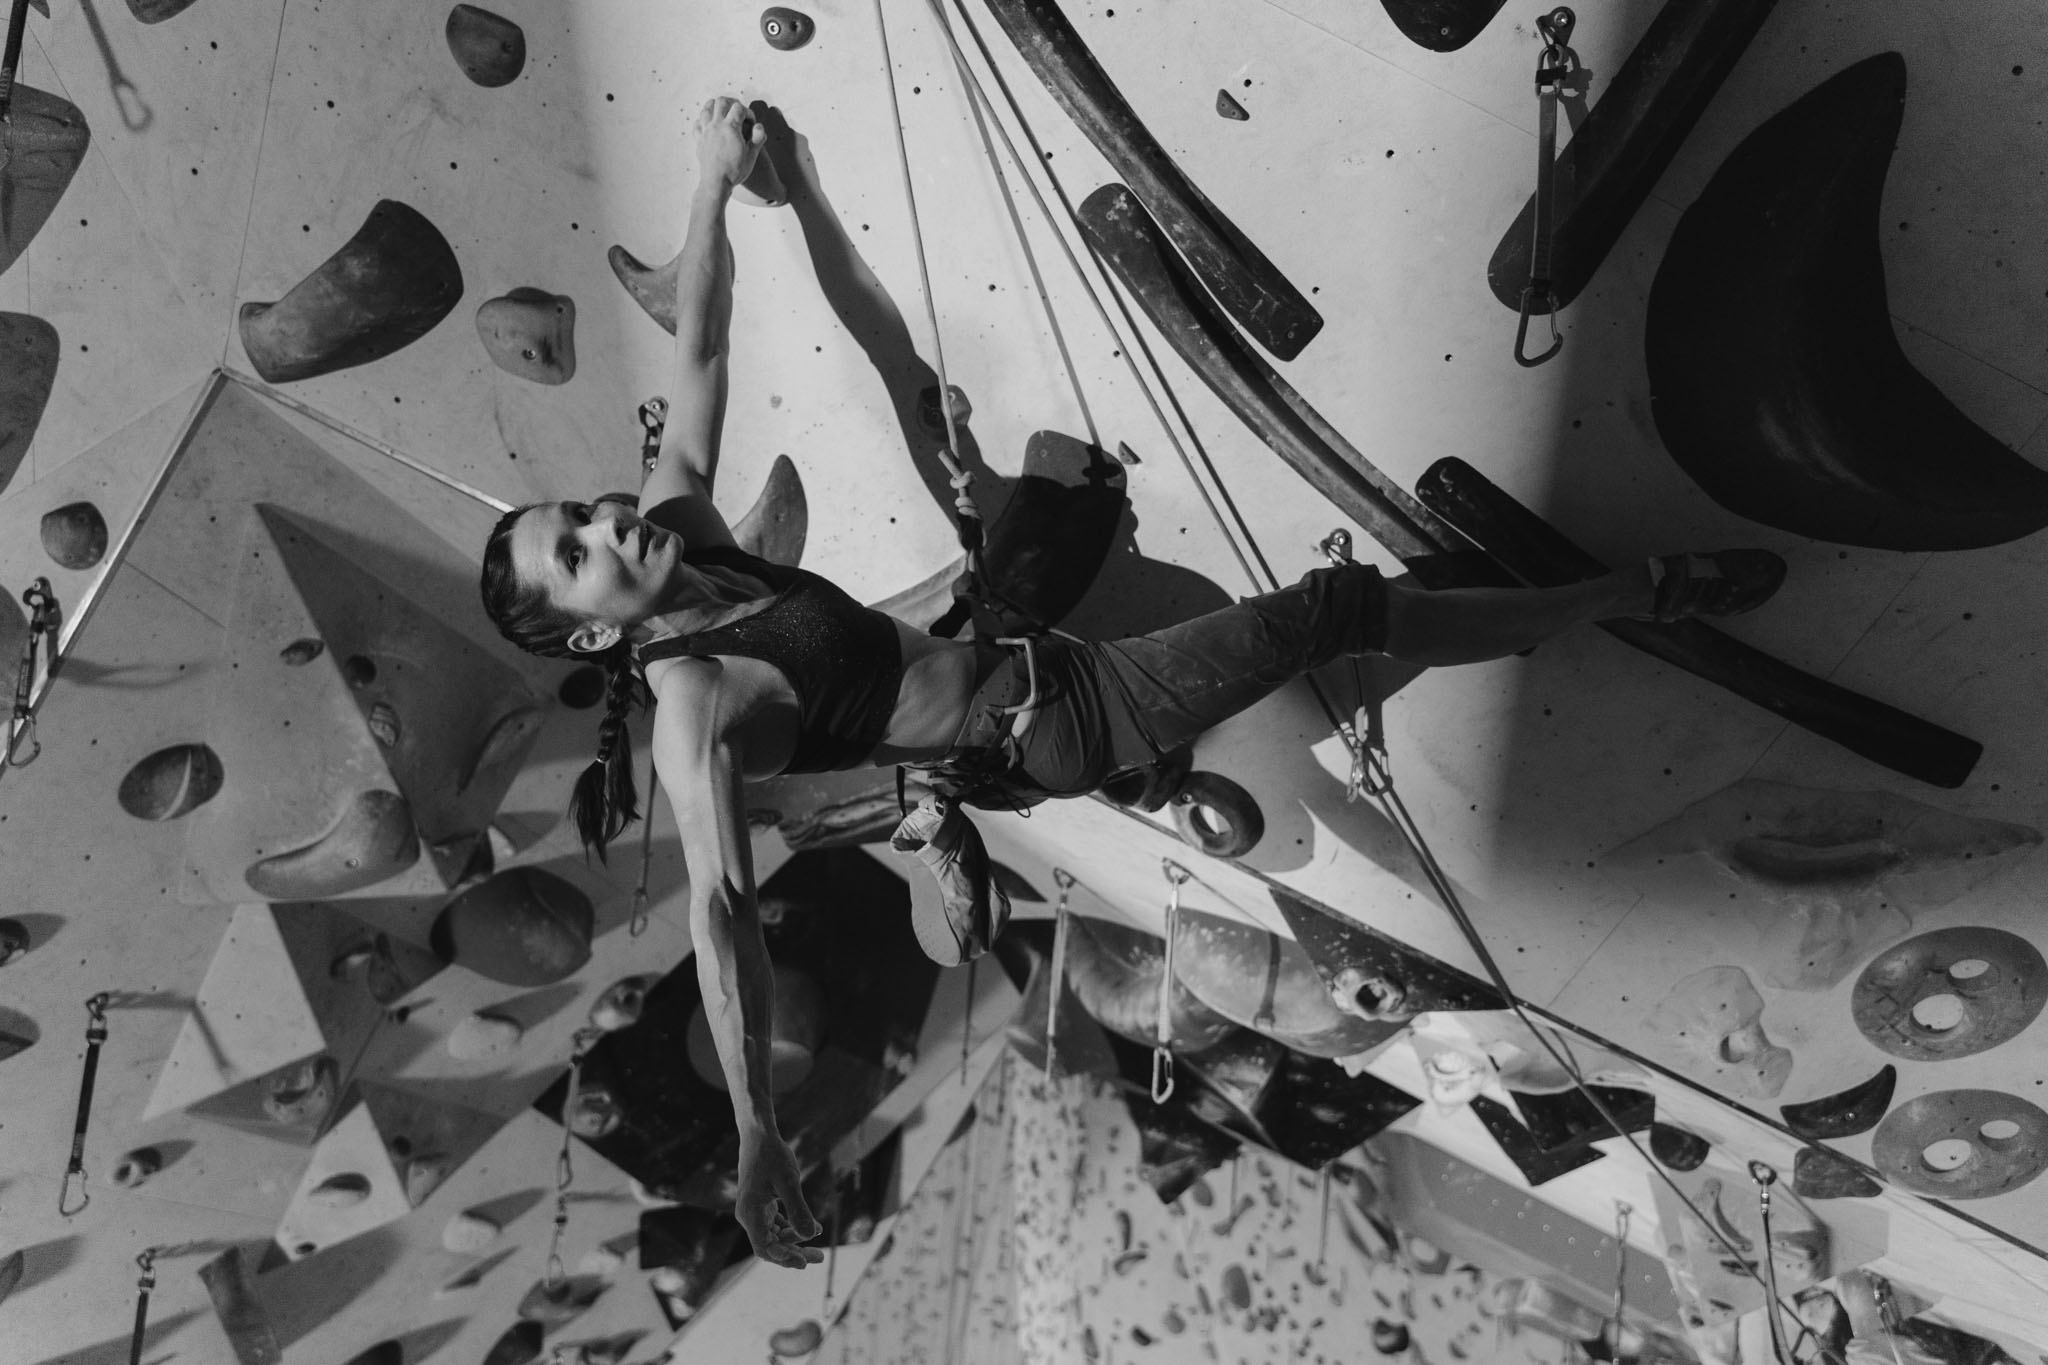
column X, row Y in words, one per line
column 786, row 29
column 171, row 782
column 482, row 1036
column 359, row 671
column 490, row 49
column 620, row 1006
column 343, row 1191
column 530, row 333
column 75, row 535
column 137, row 1167
column 799, row 1340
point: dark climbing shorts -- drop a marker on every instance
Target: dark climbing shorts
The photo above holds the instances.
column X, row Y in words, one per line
column 1107, row 707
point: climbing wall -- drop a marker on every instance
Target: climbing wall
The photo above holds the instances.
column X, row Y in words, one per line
column 295, row 298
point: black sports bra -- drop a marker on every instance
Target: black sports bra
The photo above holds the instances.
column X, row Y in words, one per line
column 843, row 660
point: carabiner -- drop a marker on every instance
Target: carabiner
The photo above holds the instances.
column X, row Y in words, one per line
column 1529, row 295
column 1555, row 28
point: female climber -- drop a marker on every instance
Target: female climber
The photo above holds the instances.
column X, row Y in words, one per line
column 756, row 669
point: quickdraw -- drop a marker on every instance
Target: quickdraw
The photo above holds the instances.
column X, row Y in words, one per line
column 1162, row 1046
column 1364, row 734
column 565, row 1171
column 1765, row 1176
column 41, row 601
column 1622, row 1210
column 1065, row 880
column 147, row 1262
column 1553, row 68
column 95, row 1037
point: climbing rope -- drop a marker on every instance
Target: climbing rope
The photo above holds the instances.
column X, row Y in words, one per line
column 636, row 925
column 565, row 1170
column 1162, row 1045
column 41, row 601
column 1765, row 1176
column 146, row 1282
column 95, row 1037
column 961, row 479
column 1553, row 68
column 1065, row 881
column 1621, row 1212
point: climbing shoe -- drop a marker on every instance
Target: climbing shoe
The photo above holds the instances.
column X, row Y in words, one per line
column 1718, row 583
column 959, row 913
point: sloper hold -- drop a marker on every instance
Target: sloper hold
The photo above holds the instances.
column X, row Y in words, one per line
column 171, row 782
column 74, row 535
column 1345, row 951
column 530, row 333
column 490, row 49
column 373, row 839
column 387, row 287
column 522, row 927
column 652, row 287
column 777, row 525
column 1676, row 1148
column 1855, row 1110
column 41, row 146
column 1441, row 25
column 1264, row 982
column 786, row 29
column 28, row 370
column 1775, row 378
column 520, row 1345
column 1818, row 1173
column 1230, row 108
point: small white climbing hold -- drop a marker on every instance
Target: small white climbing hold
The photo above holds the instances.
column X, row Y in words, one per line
column 483, row 1036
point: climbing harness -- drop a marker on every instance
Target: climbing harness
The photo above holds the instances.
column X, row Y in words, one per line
column 146, row 1282
column 95, row 1036
column 41, row 601
column 1556, row 64
column 1065, row 881
column 565, row 1173
column 1162, row 1053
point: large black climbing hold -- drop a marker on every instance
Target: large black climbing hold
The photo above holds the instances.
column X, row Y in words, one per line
column 1441, row 25
column 171, row 782
column 490, row 49
column 1217, row 816
column 390, row 285
column 41, row 145
column 520, row 1345
column 1855, row 1110
column 1519, row 1146
column 1043, row 550
column 28, row 371
column 373, row 839
column 1175, row 1149
column 786, row 29
column 524, row 926
column 1818, row 1173
column 1149, row 788
column 1544, row 557
column 1677, row 1148
column 74, row 535
column 1264, row 302
column 1775, row 378
column 1569, row 1119
column 1617, row 154
column 156, row 11
column 14, row 940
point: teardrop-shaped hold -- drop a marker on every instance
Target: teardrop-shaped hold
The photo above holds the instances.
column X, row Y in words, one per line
column 523, row 927
column 14, row 940
column 137, row 1167
column 777, row 525
column 652, row 287
column 469, row 1234
column 383, row 723
column 1818, row 1173
column 620, row 1005
column 1855, row 1110
column 11, row 1271
column 1676, row 1148
column 374, row 839
column 482, row 1036
column 383, row 1353
column 786, row 29
column 302, row 651
column 390, row 285
column 505, row 741
column 75, row 535
column 171, row 782
column 13, row 1044
column 490, row 49
column 1388, row 1337
column 1776, row 381
column 1441, row 25
column 1230, row 108
column 41, row 146
column 343, row 1191
column 566, row 1299
column 156, row 11
column 28, row 370
column 519, row 1346
column 303, row 1094
column 530, row 333
column 359, row 670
